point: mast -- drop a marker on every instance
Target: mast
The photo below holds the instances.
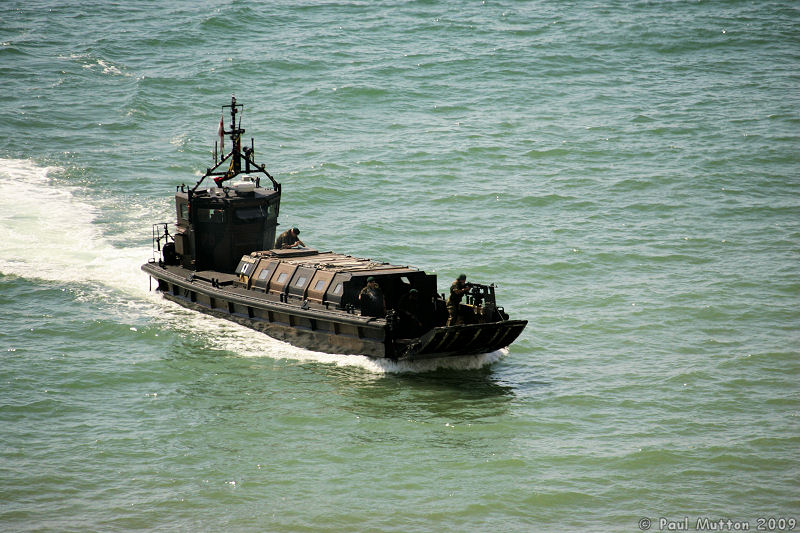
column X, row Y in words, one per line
column 236, row 140
column 235, row 156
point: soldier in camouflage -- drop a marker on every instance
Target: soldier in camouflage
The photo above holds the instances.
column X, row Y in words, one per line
column 457, row 291
column 289, row 239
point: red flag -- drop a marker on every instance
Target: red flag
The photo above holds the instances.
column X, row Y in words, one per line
column 221, row 133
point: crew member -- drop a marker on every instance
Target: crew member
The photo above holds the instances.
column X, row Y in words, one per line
column 371, row 300
column 457, row 291
column 408, row 308
column 289, row 239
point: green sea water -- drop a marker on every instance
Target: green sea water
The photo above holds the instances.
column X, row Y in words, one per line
column 627, row 173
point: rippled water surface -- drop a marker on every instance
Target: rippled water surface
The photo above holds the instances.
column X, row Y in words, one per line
column 628, row 173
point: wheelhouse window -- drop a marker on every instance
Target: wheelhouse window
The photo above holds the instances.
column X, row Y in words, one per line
column 300, row 281
column 319, row 285
column 250, row 215
column 264, row 273
column 216, row 216
column 282, row 277
column 338, row 289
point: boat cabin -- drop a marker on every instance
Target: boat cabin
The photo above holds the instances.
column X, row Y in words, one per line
column 216, row 226
column 219, row 224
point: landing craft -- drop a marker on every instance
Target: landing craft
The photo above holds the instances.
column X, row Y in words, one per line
column 220, row 260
